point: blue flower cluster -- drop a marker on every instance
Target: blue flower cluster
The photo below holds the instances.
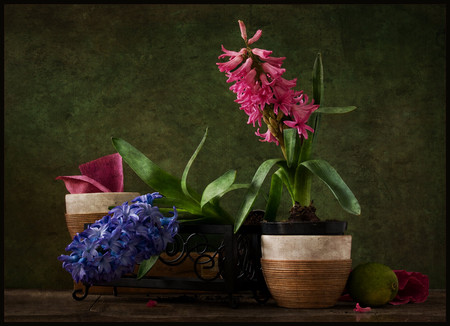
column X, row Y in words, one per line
column 128, row 235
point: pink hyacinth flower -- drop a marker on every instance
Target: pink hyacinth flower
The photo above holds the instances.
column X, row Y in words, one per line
column 243, row 30
column 267, row 137
column 255, row 37
column 274, row 72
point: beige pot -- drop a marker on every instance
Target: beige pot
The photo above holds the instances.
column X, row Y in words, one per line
column 82, row 209
column 306, row 271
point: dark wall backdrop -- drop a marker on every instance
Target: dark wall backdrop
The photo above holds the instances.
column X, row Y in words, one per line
column 76, row 75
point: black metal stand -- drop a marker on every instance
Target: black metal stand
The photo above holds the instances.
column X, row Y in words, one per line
column 237, row 255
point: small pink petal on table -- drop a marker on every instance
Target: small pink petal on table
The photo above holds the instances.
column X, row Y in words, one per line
column 151, row 303
column 361, row 309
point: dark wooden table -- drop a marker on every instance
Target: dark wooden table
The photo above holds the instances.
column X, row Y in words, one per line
column 59, row 306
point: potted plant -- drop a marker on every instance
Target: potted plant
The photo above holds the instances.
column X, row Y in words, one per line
column 305, row 261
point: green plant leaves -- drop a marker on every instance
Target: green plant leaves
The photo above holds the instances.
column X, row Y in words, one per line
column 292, row 146
column 253, row 190
column 335, row 110
column 333, row 180
column 184, row 186
column 146, row 265
column 317, row 79
column 155, row 177
column 276, row 189
column 218, row 187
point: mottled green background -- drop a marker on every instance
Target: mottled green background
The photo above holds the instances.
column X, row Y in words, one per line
column 76, row 75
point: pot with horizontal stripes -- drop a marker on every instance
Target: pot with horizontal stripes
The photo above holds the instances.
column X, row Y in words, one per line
column 305, row 270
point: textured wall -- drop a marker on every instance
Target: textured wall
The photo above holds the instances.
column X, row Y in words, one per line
column 75, row 75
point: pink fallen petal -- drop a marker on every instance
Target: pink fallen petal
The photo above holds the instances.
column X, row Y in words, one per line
column 358, row 308
column 151, row 303
column 412, row 287
column 106, row 170
column 80, row 184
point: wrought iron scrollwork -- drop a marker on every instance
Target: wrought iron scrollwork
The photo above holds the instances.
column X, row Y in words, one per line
column 198, row 249
column 76, row 293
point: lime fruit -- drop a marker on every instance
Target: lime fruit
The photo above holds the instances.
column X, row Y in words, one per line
column 372, row 284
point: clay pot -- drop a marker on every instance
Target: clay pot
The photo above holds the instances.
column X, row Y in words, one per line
column 305, row 271
column 83, row 209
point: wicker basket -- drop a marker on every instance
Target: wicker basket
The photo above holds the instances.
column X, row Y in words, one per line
column 306, row 283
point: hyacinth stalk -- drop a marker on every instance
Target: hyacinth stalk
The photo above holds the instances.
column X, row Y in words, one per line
column 263, row 93
column 265, row 96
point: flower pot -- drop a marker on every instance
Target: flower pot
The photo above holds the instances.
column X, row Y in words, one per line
column 305, row 271
column 82, row 209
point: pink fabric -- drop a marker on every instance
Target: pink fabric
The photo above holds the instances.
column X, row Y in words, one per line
column 412, row 287
column 104, row 174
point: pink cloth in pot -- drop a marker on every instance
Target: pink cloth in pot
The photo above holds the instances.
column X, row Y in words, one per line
column 104, row 174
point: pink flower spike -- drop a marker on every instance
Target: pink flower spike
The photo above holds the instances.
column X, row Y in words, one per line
column 243, row 30
column 151, row 303
column 361, row 309
column 255, row 37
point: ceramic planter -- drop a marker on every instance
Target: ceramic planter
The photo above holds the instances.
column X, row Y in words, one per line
column 82, row 209
column 306, row 270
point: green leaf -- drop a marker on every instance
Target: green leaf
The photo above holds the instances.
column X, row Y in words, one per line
column 276, row 190
column 146, row 265
column 155, row 177
column 292, row 145
column 317, row 78
column 184, row 186
column 253, row 190
column 333, row 180
column 287, row 176
column 302, row 185
column 218, row 186
column 335, row 110
column 307, row 145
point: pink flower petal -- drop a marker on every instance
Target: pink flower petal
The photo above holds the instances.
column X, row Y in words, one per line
column 255, row 37
column 263, row 54
column 243, row 30
column 358, row 308
column 151, row 303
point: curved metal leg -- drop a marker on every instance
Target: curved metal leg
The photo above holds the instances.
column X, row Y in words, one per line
column 80, row 291
column 261, row 296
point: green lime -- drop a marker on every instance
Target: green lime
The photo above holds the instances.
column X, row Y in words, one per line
column 372, row 284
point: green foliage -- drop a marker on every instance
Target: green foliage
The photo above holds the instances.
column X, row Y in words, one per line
column 145, row 266
column 198, row 208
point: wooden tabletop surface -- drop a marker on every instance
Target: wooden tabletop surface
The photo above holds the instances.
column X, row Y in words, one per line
column 21, row 305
